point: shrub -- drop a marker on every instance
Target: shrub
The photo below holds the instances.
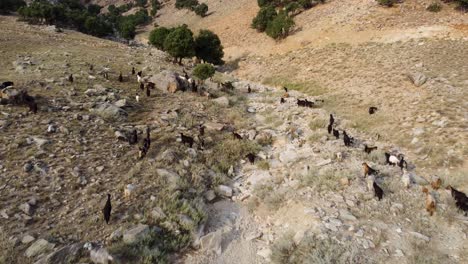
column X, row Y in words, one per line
column 158, row 36
column 228, row 152
column 306, row 4
column 141, row 3
column 94, row 9
column 7, row 6
column 201, row 10
column 264, row 16
column 292, row 7
column 179, row 43
column 434, row 7
column 280, row 26
column 208, row 47
column 155, row 6
column 388, row 3
column 97, row 27
column 204, row 71
column 127, row 29
column 262, row 3
column 189, row 4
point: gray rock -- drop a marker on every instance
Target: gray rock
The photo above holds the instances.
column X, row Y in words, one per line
column 171, row 177
column 186, row 221
column 97, row 90
column 101, row 256
column 324, row 162
column 168, row 81
column 251, row 110
column 224, row 190
column 168, row 156
column 40, row 141
column 120, row 135
column 27, row 239
column 133, row 235
column 345, row 215
column 110, row 112
column 121, row 103
column 223, row 101
column 288, row 156
column 39, row 247
column 417, row 78
column 26, row 208
column 419, row 236
column 212, row 242
column 210, row 195
column 4, row 214
column 28, row 167
column 158, row 213
column 116, row 235
column 67, row 254
column 265, row 253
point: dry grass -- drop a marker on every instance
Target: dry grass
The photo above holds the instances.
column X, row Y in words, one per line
column 309, row 87
column 326, row 179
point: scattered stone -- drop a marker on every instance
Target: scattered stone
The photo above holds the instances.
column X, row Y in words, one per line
column 324, row 162
column 212, row 242
column 28, row 167
column 158, row 213
column 39, row 141
column 223, row 101
column 419, row 236
column 298, row 237
column 254, row 235
column 116, row 235
column 210, row 195
column 121, row 103
column 110, row 112
column 399, row 253
column 100, row 168
column 265, row 253
column 101, row 256
column 4, row 214
column 251, row 110
column 26, row 208
column 288, row 156
column 345, row 215
column 224, row 190
column 133, row 235
column 27, row 239
column 67, row 254
column 417, row 78
column 344, row 181
column 39, row 247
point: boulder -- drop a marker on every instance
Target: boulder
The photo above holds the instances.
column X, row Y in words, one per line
column 101, row 256
column 39, row 247
column 212, row 242
column 109, row 112
column 133, row 235
column 171, row 178
column 224, row 190
column 67, row 254
column 288, row 156
column 223, row 101
column 158, row 213
column 97, row 90
column 26, row 208
column 169, row 81
column 417, row 78
column 27, row 239
column 121, row 103
column 210, row 195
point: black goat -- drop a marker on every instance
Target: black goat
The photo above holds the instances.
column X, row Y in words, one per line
column 336, row 133
column 70, row 78
column 332, row 120
column 347, row 139
column 237, row 136
column 330, row 128
column 133, row 70
column 378, row 192
column 6, row 84
column 461, row 200
column 285, row 89
column 251, row 157
column 148, row 92
column 249, row 90
column 372, row 110
column 120, row 77
column 368, row 149
column 186, row 140
column 133, row 139
column 282, row 101
column 142, row 86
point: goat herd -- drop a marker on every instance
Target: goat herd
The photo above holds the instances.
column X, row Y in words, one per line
column 460, row 198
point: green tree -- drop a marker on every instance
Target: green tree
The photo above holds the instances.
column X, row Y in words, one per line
column 158, row 36
column 204, row 71
column 280, row 26
column 7, row 6
column 264, row 16
column 155, row 6
column 179, row 43
column 97, row 27
column 127, row 29
column 208, row 47
column 189, row 4
column 141, row 3
column 94, row 9
column 201, row 10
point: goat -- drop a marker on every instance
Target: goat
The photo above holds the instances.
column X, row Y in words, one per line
column 249, row 90
column 406, row 178
column 137, row 97
column 347, row 140
column 142, row 86
column 430, row 201
column 282, row 101
column 106, row 75
column 378, row 192
column 285, row 89
column 148, row 93
column 461, row 200
column 237, row 136
column 251, row 157
column 6, row 84
column 368, row 170
column 33, row 107
column 436, row 183
column 329, row 128
column 372, row 110
column 133, row 70
column 336, row 133
column 120, row 77
column 186, row 140
column 368, row 150
column 70, row 78
column 332, row 120
column 402, row 163
column 106, row 211
column 139, row 78
column 305, row 103
column 201, row 129
column 151, row 85
column 133, row 139
column 185, row 74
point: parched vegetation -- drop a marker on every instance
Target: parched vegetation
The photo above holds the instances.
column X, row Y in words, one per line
column 85, row 18
column 275, row 17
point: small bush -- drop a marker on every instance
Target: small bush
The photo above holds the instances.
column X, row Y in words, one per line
column 204, row 71
column 388, row 3
column 280, row 26
column 229, row 152
column 201, row 10
column 158, row 36
column 434, row 7
column 189, row 4
column 264, row 16
column 141, row 3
